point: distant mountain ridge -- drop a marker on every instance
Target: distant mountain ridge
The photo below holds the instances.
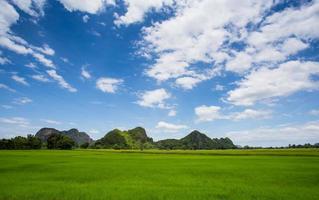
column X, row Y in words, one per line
column 137, row 138
column 78, row 137
column 196, row 140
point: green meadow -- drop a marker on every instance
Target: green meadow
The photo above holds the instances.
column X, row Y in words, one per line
column 154, row 174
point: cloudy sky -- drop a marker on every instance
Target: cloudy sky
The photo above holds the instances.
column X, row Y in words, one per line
column 246, row 69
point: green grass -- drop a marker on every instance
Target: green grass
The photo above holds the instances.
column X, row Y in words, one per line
column 152, row 175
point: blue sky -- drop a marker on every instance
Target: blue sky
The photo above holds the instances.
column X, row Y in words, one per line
column 247, row 70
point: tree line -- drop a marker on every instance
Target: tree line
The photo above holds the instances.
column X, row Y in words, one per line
column 54, row 141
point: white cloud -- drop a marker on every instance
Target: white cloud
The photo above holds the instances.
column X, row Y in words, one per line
column 240, row 63
column 210, row 113
column 265, row 83
column 169, row 127
column 89, row 6
column 42, row 59
column 22, row 100
column 277, row 136
column 41, row 78
column 53, row 74
column 250, row 114
column 172, row 113
column 94, row 131
column 49, row 121
column 108, row 85
column 19, row 79
column 46, row 49
column 19, row 121
column 85, row 74
column 31, row 7
column 187, row 82
column 314, row 112
column 3, row 60
column 219, row 87
column 3, row 86
column 31, row 65
column 293, row 45
column 6, row 106
column 154, row 98
column 10, row 41
column 136, row 10
column 198, row 35
column 85, row 18
column 194, row 38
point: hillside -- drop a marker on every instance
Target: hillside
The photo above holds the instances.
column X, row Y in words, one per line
column 196, row 140
column 78, row 137
column 131, row 139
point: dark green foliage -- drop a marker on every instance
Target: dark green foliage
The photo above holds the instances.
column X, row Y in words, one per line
column 34, row 142
column 113, row 139
column 170, row 144
column 59, row 141
column 78, row 137
column 84, row 145
column 139, row 137
column 196, row 140
column 132, row 139
column 19, row 142
column 6, row 144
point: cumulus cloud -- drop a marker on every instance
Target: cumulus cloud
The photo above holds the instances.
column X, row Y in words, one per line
column 136, row 9
column 198, row 35
column 265, row 83
column 89, row 6
column 53, row 74
column 210, row 113
column 202, row 39
column 277, row 136
column 154, row 98
column 108, row 85
column 169, row 127
column 19, row 79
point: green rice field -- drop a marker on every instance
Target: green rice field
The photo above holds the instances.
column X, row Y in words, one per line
column 154, row 174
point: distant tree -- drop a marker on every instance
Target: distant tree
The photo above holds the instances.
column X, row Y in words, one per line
column 20, row 143
column 84, row 145
column 59, row 141
column 6, row 144
column 34, row 142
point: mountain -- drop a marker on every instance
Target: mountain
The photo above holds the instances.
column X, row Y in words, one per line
column 131, row 139
column 196, row 140
column 74, row 134
column 78, row 137
column 44, row 133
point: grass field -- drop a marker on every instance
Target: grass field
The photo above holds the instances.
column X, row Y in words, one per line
column 152, row 175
